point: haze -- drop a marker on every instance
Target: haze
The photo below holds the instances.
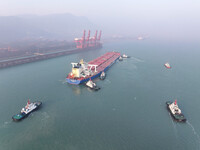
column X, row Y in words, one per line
column 166, row 19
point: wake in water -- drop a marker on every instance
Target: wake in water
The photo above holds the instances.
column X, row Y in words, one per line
column 63, row 81
column 45, row 116
column 190, row 125
column 44, row 120
column 174, row 126
column 5, row 124
column 195, row 133
column 137, row 59
column 134, row 66
column 107, row 81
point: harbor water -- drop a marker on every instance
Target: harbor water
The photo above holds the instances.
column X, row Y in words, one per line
column 127, row 113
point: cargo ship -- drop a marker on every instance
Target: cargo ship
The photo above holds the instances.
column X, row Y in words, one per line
column 83, row 71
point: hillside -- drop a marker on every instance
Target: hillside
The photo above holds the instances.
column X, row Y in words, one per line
column 55, row 26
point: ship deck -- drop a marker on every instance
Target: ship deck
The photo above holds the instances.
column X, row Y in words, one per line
column 105, row 60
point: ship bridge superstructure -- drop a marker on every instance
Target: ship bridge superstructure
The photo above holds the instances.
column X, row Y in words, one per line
column 83, row 69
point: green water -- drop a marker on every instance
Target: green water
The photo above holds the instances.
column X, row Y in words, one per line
column 128, row 113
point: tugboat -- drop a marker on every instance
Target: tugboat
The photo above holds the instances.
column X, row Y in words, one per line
column 167, row 65
column 92, row 85
column 175, row 111
column 120, row 58
column 102, row 76
column 30, row 107
column 125, row 56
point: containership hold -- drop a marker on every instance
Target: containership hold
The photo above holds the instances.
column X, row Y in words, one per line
column 82, row 71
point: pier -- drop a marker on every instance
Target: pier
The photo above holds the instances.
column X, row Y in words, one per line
column 38, row 57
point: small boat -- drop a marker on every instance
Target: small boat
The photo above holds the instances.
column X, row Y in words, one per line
column 102, row 76
column 140, row 38
column 125, row 56
column 167, row 65
column 120, row 58
column 175, row 111
column 30, row 107
column 92, row 85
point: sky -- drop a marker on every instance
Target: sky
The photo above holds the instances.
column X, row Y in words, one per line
column 161, row 18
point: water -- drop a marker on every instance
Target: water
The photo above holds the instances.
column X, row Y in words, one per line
column 128, row 113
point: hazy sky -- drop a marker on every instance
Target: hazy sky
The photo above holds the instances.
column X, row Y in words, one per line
column 160, row 17
column 101, row 7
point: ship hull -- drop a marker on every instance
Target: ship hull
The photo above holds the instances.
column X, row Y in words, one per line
column 105, row 68
column 74, row 81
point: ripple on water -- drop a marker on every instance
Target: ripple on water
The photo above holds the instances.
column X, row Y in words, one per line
column 5, row 124
column 194, row 132
column 44, row 120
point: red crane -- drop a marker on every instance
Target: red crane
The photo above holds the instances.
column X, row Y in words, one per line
column 89, row 41
column 93, row 40
column 99, row 38
column 80, row 42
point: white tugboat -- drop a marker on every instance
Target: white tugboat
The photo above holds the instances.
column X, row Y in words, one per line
column 125, row 56
column 175, row 111
column 167, row 65
column 120, row 58
column 92, row 85
column 30, row 107
column 102, row 76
